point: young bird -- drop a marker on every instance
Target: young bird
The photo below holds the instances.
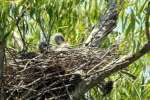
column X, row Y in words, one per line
column 43, row 47
column 60, row 42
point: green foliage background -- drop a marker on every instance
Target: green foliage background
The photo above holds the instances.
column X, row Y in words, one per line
column 75, row 19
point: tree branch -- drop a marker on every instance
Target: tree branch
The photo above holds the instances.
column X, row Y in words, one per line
column 111, row 68
column 107, row 24
column 147, row 21
column 94, row 79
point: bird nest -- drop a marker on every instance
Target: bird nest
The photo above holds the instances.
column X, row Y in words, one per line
column 53, row 74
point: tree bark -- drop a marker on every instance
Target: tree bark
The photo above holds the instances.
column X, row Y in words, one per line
column 2, row 56
column 107, row 24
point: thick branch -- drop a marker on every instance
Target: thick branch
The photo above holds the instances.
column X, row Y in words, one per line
column 147, row 22
column 85, row 85
column 2, row 54
column 94, row 79
column 107, row 24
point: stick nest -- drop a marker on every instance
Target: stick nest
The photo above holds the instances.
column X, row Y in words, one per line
column 53, row 74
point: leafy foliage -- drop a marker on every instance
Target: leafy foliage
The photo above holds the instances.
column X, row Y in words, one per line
column 75, row 19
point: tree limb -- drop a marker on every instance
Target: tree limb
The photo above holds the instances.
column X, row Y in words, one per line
column 107, row 24
column 147, row 21
column 111, row 68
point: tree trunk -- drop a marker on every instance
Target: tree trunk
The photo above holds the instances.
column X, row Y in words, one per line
column 2, row 56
